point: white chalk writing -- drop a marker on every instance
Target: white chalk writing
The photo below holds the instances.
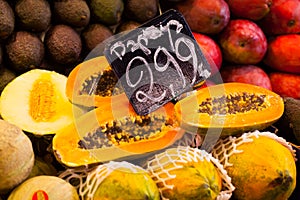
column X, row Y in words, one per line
column 176, row 42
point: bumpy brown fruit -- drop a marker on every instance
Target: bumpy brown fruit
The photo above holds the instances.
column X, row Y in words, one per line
column 17, row 157
column 141, row 10
column 94, row 34
column 1, row 54
column 6, row 76
column 7, row 20
column 33, row 15
column 25, row 51
column 63, row 44
column 127, row 26
column 72, row 12
column 290, row 118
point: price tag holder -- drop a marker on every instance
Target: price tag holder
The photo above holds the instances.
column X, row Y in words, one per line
column 157, row 62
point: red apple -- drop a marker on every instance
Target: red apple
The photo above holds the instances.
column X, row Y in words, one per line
column 243, row 42
column 211, row 51
column 283, row 18
column 249, row 9
column 250, row 74
column 205, row 16
column 283, row 53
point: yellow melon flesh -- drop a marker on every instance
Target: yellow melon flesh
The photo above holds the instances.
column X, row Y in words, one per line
column 36, row 102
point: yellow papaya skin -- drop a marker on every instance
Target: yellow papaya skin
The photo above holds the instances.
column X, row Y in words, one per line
column 263, row 169
column 121, row 185
column 185, row 173
column 194, row 177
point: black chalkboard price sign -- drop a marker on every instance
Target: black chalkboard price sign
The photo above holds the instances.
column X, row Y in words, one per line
column 157, row 62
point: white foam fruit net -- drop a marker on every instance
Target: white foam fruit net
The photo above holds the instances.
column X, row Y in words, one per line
column 226, row 147
column 88, row 180
column 162, row 165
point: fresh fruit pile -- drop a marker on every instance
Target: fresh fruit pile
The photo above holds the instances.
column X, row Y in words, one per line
column 64, row 137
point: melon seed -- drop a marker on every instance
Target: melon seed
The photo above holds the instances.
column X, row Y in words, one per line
column 42, row 106
column 125, row 130
column 233, row 104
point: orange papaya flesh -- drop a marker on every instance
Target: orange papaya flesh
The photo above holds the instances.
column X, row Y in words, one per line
column 106, row 133
column 229, row 109
column 93, row 83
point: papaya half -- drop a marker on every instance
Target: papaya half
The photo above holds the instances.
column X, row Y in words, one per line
column 229, row 109
column 110, row 133
column 93, row 83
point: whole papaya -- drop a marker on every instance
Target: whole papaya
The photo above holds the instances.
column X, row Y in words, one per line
column 261, row 164
column 117, row 180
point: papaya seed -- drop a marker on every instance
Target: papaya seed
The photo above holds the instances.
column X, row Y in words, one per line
column 125, row 130
column 233, row 104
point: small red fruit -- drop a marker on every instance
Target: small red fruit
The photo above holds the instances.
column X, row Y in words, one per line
column 283, row 53
column 283, row 18
column 243, row 42
column 205, row 16
column 211, row 51
column 286, row 85
column 249, row 9
column 250, row 74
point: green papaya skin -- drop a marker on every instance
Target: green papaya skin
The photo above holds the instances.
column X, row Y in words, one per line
column 196, row 179
column 122, row 185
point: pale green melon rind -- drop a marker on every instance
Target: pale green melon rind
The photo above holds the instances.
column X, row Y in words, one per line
column 17, row 156
column 55, row 188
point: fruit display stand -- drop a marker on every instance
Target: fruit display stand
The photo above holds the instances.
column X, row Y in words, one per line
column 68, row 131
